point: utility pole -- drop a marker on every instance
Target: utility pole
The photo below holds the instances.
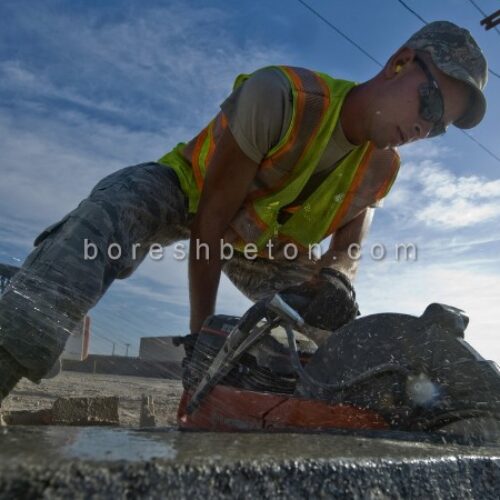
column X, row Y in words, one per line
column 126, row 351
column 491, row 21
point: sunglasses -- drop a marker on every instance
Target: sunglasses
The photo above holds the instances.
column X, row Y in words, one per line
column 431, row 102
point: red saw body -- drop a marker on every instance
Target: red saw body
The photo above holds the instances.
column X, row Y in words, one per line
column 231, row 409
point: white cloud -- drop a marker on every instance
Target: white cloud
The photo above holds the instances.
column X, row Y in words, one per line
column 154, row 65
column 14, row 74
column 458, row 213
column 430, row 193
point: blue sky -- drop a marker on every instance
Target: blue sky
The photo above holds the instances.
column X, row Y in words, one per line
column 88, row 87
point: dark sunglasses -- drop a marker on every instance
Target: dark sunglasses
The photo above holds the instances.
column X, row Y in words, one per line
column 431, row 101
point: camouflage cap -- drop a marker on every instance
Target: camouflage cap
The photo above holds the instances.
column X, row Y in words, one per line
column 456, row 53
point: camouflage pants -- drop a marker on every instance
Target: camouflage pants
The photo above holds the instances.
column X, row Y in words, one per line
column 141, row 204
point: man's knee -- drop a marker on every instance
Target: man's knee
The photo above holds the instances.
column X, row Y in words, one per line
column 260, row 278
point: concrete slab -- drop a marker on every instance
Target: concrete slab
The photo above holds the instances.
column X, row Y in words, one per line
column 62, row 462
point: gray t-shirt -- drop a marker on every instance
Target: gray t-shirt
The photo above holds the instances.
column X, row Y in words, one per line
column 259, row 113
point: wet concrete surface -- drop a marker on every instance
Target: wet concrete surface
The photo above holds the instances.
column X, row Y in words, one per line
column 63, row 462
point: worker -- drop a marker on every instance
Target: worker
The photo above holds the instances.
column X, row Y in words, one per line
column 293, row 157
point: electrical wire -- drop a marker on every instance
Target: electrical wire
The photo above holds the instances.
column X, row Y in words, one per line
column 478, row 8
column 341, row 33
column 407, row 7
column 482, row 146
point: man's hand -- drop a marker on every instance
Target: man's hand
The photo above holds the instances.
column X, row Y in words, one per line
column 328, row 301
column 226, row 185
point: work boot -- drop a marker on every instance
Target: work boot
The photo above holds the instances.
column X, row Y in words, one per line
column 10, row 373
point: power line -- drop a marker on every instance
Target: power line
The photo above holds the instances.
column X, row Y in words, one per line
column 482, row 12
column 341, row 33
column 478, row 8
column 412, row 11
column 494, row 73
column 482, row 146
column 409, row 9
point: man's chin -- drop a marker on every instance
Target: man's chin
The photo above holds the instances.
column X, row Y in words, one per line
column 381, row 143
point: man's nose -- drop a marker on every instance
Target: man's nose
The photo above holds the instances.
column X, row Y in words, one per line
column 420, row 130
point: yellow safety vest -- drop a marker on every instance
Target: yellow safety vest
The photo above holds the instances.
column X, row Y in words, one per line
column 363, row 177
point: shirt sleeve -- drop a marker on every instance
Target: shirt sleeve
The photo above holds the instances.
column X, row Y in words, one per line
column 259, row 112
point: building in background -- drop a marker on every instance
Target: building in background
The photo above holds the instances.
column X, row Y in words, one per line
column 160, row 349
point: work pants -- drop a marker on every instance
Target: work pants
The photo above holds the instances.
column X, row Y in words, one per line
column 130, row 209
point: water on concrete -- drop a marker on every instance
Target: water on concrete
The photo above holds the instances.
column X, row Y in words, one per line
column 64, row 462
column 35, row 445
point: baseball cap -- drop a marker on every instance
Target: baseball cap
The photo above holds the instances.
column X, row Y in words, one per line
column 455, row 52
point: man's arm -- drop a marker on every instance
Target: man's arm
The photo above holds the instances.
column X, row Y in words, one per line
column 226, row 184
column 352, row 233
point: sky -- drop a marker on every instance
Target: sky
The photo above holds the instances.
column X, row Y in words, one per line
column 88, row 87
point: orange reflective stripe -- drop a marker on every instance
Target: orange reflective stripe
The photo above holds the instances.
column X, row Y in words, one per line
column 205, row 148
column 195, row 160
column 312, row 136
column 342, row 210
column 300, row 103
column 323, row 85
column 211, row 145
column 384, row 188
column 223, row 120
column 255, row 217
column 293, row 136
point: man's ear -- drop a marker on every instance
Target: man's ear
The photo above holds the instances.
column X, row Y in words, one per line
column 398, row 62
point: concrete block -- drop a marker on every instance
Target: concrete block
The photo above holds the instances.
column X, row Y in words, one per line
column 147, row 418
column 26, row 417
column 86, row 411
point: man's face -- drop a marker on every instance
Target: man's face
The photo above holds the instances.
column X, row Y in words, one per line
column 396, row 116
